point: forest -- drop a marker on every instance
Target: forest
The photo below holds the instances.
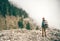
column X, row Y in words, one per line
column 8, row 9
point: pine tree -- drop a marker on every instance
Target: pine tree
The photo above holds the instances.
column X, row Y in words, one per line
column 28, row 26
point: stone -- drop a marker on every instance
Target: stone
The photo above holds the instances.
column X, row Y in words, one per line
column 28, row 35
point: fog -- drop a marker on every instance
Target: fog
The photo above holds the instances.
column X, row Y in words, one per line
column 50, row 9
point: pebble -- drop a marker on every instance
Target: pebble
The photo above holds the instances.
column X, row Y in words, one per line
column 29, row 35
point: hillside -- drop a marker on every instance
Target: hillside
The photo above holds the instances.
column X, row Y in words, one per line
column 29, row 35
column 7, row 8
column 10, row 15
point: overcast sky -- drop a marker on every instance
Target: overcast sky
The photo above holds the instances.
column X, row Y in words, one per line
column 41, row 8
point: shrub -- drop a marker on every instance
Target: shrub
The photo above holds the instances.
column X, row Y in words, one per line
column 20, row 24
column 28, row 26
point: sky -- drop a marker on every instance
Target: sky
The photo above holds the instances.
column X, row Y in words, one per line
column 37, row 9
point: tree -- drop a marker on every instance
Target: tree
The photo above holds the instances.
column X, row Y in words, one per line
column 20, row 24
column 12, row 10
column 28, row 26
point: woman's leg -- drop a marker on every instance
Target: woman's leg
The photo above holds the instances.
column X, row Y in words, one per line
column 45, row 31
column 42, row 32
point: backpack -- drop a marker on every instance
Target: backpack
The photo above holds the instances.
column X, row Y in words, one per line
column 44, row 25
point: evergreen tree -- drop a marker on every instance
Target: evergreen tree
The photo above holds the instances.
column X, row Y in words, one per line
column 20, row 23
column 12, row 10
column 28, row 26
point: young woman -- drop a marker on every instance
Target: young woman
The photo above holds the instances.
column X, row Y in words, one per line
column 44, row 26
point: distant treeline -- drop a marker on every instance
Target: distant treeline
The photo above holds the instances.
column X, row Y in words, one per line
column 8, row 9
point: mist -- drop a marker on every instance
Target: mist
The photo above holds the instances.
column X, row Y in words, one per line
column 50, row 9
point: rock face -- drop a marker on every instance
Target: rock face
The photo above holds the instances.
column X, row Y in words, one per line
column 29, row 35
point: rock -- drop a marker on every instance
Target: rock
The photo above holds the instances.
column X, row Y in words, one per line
column 28, row 35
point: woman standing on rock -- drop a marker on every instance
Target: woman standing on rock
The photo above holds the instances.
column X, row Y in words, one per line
column 44, row 26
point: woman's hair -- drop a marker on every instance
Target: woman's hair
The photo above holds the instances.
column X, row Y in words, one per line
column 43, row 19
